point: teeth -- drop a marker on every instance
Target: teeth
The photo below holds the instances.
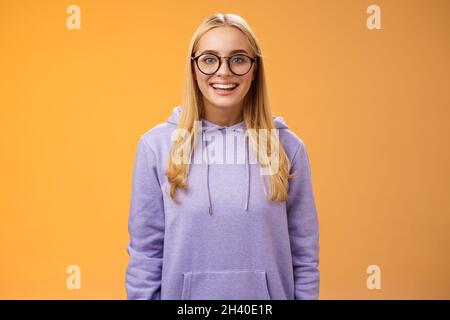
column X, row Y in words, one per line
column 224, row 86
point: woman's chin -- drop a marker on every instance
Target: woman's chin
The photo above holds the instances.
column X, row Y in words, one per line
column 225, row 105
column 224, row 102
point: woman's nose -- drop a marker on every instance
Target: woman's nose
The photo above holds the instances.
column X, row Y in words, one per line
column 224, row 69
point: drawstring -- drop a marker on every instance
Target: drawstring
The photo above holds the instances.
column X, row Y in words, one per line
column 247, row 196
column 248, row 176
column 207, row 172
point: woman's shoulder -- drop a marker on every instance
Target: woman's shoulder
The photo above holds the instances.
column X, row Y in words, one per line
column 291, row 141
column 159, row 134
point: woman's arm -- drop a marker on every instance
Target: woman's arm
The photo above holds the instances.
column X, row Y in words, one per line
column 146, row 228
column 303, row 228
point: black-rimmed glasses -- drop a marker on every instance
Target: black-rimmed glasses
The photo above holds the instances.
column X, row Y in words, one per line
column 209, row 63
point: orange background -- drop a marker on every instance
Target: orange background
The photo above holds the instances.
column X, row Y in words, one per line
column 371, row 105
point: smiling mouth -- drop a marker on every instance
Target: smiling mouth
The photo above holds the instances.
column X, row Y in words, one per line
column 224, row 89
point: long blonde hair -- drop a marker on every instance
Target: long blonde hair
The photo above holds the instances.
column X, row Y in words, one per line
column 256, row 113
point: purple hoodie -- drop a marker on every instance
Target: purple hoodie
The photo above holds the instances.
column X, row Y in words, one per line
column 225, row 240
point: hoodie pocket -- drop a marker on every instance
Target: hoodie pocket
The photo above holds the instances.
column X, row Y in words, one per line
column 225, row 285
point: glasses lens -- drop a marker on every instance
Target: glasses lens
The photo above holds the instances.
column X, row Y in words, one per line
column 208, row 63
column 239, row 64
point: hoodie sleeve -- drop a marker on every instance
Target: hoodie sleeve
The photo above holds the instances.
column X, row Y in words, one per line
column 303, row 228
column 146, row 228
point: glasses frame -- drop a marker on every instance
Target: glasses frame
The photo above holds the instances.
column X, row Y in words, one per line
column 252, row 60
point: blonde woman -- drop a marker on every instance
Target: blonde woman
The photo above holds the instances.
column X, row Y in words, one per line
column 206, row 220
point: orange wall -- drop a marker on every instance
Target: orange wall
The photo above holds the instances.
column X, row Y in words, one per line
column 371, row 105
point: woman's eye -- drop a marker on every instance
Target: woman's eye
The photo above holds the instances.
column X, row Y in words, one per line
column 209, row 60
column 237, row 60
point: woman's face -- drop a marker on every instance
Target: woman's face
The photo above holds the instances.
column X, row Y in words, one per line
column 225, row 41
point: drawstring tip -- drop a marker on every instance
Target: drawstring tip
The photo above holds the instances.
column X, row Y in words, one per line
column 210, row 211
column 246, row 206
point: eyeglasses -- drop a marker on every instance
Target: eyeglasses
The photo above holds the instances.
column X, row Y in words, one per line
column 209, row 63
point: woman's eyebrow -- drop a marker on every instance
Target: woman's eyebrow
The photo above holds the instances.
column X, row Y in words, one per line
column 213, row 51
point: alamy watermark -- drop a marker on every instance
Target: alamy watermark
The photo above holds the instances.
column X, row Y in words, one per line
column 233, row 144
column 74, row 279
column 374, row 20
column 374, row 280
column 74, row 20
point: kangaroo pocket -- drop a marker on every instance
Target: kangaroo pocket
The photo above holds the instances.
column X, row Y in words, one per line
column 225, row 285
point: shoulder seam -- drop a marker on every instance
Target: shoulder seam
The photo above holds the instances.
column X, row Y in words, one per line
column 295, row 155
column 149, row 147
column 154, row 166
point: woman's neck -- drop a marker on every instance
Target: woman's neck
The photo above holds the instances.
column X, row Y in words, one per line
column 225, row 117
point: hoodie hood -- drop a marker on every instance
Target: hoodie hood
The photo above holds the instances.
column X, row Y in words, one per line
column 208, row 127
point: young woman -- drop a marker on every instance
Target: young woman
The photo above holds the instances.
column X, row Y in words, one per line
column 222, row 229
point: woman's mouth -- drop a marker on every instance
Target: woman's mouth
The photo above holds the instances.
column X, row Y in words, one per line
column 224, row 89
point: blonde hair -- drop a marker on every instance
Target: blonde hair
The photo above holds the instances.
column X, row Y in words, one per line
column 256, row 113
